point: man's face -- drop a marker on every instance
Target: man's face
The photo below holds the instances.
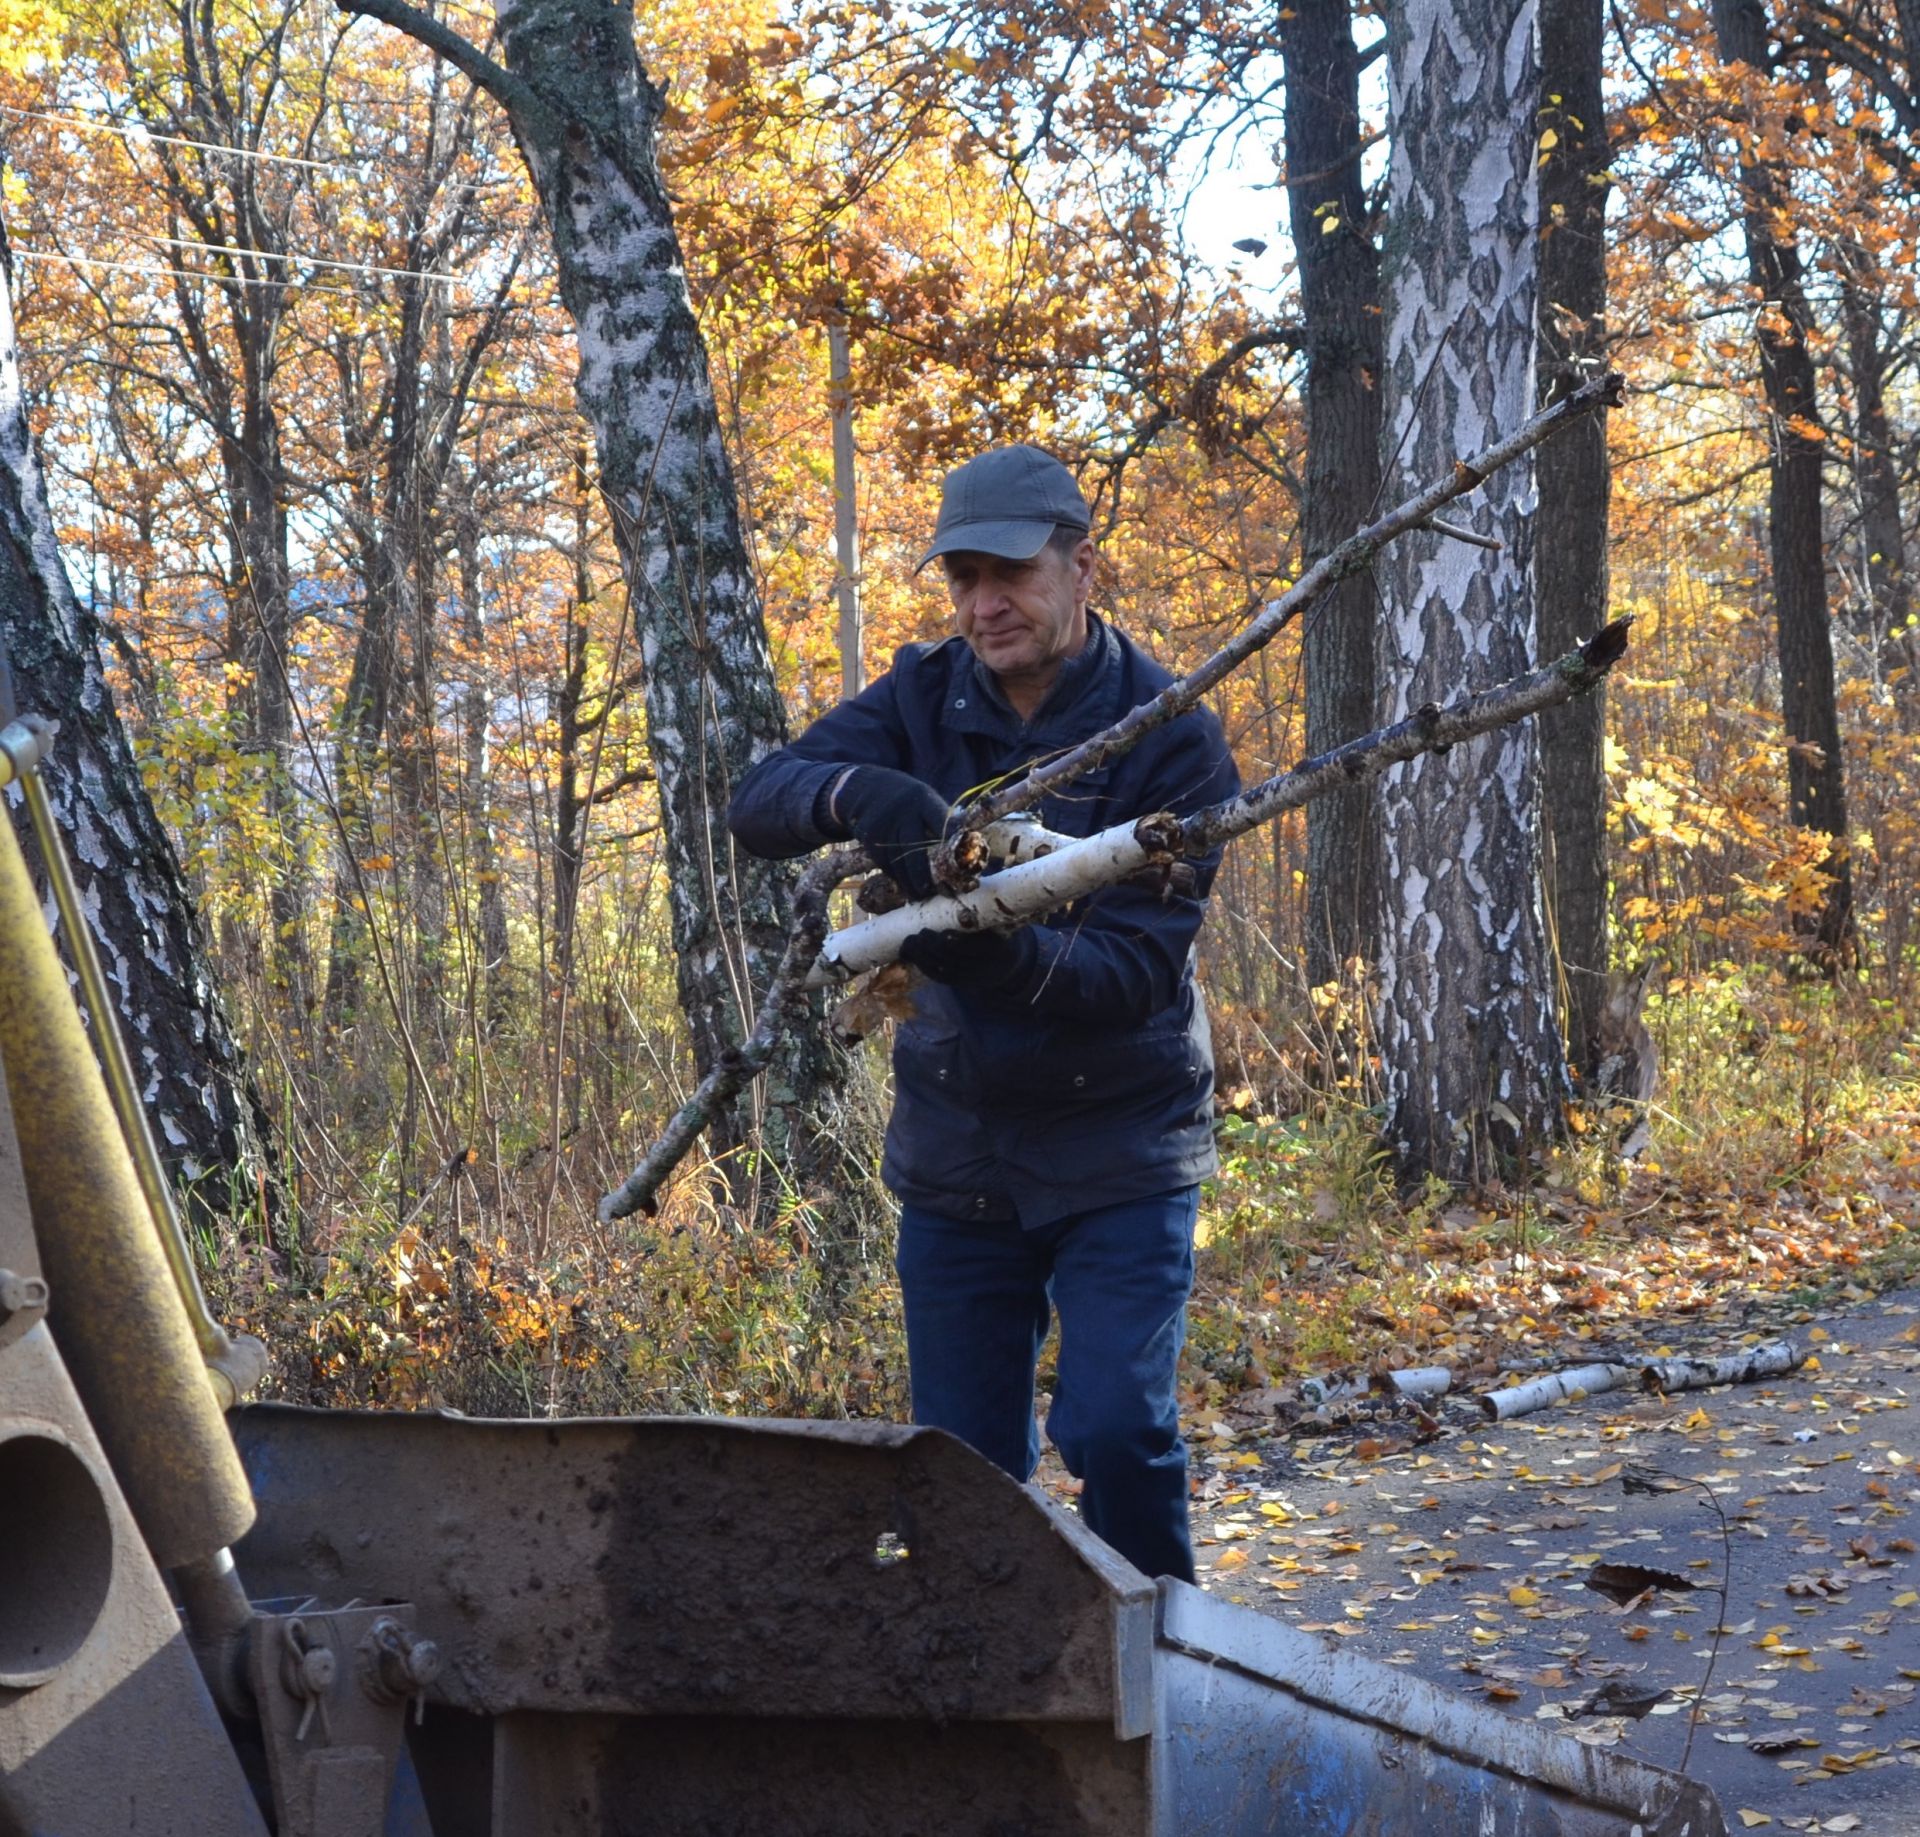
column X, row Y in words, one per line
column 1022, row 619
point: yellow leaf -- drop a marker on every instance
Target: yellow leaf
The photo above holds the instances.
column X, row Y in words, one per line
column 1754, row 1819
column 1906, row 1600
column 1230, row 1559
column 1549, row 139
column 1328, row 225
column 1523, row 1597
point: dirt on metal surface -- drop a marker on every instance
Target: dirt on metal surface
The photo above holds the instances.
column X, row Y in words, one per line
column 722, row 1777
column 676, row 1566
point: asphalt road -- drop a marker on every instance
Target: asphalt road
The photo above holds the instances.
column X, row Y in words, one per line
column 1467, row 1557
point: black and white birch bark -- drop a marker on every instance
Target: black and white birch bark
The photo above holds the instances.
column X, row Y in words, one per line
column 207, row 1119
column 1468, row 1034
column 584, row 114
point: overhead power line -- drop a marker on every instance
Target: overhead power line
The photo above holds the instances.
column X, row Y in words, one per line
column 139, row 130
column 312, row 261
column 190, row 274
column 227, row 279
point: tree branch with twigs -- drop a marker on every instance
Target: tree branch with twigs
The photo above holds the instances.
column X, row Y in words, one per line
column 815, row 955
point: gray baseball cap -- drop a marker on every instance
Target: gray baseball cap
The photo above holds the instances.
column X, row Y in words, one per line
column 1006, row 502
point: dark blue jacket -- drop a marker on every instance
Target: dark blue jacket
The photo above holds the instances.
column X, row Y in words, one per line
column 1093, row 1082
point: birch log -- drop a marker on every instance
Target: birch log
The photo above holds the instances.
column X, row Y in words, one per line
column 1420, row 1381
column 1774, row 1361
column 1032, row 888
column 1556, row 1387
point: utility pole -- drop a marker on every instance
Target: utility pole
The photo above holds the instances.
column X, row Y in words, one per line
column 846, row 524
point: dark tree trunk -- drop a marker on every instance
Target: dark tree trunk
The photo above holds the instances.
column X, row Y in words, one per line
column 1340, row 293
column 1816, row 778
column 1469, row 1040
column 230, row 335
column 1886, row 597
column 1570, row 563
column 207, row 1119
column 570, row 793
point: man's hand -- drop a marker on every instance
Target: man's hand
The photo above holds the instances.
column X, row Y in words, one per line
column 972, row 959
column 897, row 819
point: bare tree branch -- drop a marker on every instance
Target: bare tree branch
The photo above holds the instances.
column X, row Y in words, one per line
column 1035, row 887
column 516, row 97
column 1351, row 557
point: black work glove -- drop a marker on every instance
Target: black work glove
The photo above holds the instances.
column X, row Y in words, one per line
column 897, row 819
column 973, row 959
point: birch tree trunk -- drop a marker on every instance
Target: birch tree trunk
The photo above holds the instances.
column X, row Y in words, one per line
column 206, row 1117
column 1340, row 296
column 1469, row 1041
column 1574, row 480
column 584, row 114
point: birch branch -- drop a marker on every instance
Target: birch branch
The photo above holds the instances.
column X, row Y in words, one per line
column 1044, row 882
column 1555, row 1387
column 1353, row 556
column 1660, row 1376
column 1042, row 885
column 1417, row 1381
column 1774, row 1361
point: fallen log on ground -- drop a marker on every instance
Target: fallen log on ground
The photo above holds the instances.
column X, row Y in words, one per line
column 1659, row 1376
column 1420, row 1381
column 1686, row 1374
column 1555, row 1387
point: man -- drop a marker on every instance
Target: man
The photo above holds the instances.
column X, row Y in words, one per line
column 1053, row 1094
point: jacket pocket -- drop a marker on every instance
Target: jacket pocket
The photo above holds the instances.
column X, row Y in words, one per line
column 929, row 1062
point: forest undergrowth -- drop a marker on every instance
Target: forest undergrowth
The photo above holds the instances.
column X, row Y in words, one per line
column 1783, row 1170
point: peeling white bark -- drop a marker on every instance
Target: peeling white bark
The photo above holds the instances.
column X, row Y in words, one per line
column 1555, row 1387
column 1466, row 1004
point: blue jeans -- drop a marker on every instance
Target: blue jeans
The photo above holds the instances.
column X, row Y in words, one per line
column 978, row 1301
